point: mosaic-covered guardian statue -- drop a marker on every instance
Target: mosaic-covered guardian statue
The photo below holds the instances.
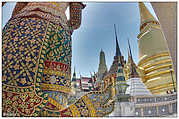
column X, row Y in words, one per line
column 36, row 63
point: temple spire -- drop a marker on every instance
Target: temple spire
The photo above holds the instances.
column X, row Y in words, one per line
column 130, row 53
column 129, row 57
column 145, row 15
column 118, row 52
column 74, row 74
column 102, row 64
column 133, row 68
column 102, row 50
column 133, row 72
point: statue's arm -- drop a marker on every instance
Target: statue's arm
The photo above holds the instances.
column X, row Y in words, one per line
column 75, row 14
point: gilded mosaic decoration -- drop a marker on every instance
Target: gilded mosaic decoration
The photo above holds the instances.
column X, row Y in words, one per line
column 36, row 64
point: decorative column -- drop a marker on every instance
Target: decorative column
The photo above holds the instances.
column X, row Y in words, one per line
column 157, row 110
column 142, row 111
column 170, row 108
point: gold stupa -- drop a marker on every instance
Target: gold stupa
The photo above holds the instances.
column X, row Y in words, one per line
column 155, row 62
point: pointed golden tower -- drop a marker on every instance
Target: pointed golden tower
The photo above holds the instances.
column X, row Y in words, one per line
column 145, row 15
column 154, row 57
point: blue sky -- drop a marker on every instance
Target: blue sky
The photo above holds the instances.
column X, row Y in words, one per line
column 97, row 32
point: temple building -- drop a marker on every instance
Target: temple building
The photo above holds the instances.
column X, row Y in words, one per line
column 127, row 66
column 87, row 84
column 136, row 86
column 154, row 58
column 78, row 83
column 82, row 84
column 120, row 94
column 110, row 77
column 102, row 69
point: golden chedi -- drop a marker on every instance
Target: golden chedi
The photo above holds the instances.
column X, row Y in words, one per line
column 154, row 58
